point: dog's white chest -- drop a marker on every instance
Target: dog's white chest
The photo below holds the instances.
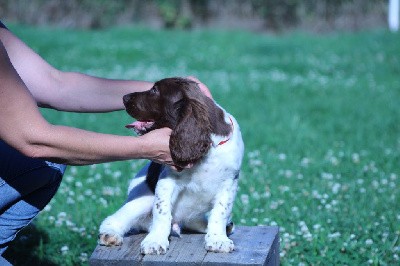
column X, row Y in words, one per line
column 198, row 189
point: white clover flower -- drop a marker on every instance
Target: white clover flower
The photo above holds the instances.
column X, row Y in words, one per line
column 255, row 195
column 58, row 223
column 88, row 192
column 73, row 170
column 334, row 160
column 355, row 157
column 284, row 189
column 70, row 201
column 336, row 187
column 80, row 198
column 334, row 235
column 69, row 179
column 83, row 257
column 308, row 236
column 108, row 191
column 117, row 174
column 62, row 215
column 64, row 250
column 316, row 227
column 103, row 201
column 274, row 205
column 326, row 176
column 305, row 162
column 282, row 156
column 69, row 223
column 245, row 199
column 288, row 173
column 369, row 242
column 51, row 219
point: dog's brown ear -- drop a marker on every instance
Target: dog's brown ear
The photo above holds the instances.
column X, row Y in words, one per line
column 191, row 138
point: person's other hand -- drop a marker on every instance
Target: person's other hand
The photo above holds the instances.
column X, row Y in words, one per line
column 202, row 87
column 156, row 146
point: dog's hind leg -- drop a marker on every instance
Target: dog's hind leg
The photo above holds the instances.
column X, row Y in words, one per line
column 134, row 214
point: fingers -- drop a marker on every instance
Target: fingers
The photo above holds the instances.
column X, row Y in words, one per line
column 202, row 87
column 156, row 145
column 157, row 148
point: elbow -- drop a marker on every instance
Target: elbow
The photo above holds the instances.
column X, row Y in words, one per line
column 31, row 150
column 32, row 146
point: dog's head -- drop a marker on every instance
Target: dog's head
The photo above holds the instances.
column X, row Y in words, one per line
column 179, row 104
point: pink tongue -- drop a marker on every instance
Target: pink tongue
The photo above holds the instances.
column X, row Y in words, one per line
column 136, row 124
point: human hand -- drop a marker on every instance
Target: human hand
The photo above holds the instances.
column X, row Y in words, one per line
column 156, row 146
column 202, row 87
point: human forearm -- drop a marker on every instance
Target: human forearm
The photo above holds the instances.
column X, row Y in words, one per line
column 80, row 147
column 102, row 94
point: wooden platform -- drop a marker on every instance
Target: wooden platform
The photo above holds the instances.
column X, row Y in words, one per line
column 253, row 246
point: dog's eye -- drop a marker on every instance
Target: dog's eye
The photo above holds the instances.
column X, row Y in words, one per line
column 154, row 90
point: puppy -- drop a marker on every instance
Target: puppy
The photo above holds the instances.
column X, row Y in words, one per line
column 200, row 198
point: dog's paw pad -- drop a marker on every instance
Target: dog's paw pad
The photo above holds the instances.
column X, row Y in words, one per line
column 219, row 244
column 110, row 240
column 150, row 246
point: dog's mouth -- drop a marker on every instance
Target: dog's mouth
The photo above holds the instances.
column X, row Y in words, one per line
column 141, row 127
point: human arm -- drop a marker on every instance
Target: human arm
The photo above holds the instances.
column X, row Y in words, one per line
column 70, row 91
column 24, row 128
column 67, row 91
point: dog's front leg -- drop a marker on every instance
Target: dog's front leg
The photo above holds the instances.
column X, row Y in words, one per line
column 216, row 239
column 156, row 242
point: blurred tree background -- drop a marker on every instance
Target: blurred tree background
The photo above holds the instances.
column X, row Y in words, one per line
column 266, row 15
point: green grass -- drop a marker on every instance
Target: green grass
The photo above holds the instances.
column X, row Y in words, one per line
column 320, row 117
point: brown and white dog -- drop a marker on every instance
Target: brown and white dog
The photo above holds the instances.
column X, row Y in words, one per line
column 200, row 199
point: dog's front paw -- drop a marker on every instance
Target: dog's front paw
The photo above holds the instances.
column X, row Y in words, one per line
column 110, row 239
column 154, row 245
column 219, row 243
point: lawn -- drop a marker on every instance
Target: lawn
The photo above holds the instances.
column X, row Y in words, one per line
column 320, row 117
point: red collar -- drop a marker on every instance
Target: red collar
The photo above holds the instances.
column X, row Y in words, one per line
column 230, row 135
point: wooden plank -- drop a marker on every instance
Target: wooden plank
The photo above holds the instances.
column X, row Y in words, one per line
column 253, row 246
column 127, row 254
column 187, row 250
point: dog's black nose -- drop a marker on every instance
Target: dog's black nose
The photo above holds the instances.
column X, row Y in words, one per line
column 126, row 98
